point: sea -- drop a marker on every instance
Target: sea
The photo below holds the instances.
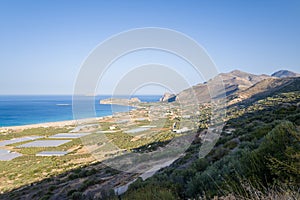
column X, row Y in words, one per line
column 17, row 110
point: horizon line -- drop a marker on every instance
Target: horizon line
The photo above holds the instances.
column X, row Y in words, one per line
column 76, row 95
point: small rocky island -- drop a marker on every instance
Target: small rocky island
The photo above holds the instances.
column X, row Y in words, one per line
column 120, row 101
column 168, row 97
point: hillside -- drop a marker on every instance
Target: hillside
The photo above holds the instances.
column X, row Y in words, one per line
column 256, row 157
column 267, row 87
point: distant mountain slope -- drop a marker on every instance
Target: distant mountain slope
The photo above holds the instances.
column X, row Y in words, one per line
column 284, row 73
column 242, row 79
column 233, row 81
column 267, row 87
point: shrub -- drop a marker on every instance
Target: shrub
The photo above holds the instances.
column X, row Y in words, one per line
column 231, row 144
column 151, row 192
column 76, row 196
column 45, row 197
column 277, row 157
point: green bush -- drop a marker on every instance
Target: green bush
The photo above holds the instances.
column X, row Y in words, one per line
column 151, row 192
column 200, row 164
column 73, row 176
column 45, row 197
column 76, row 196
column 231, row 144
column 281, row 146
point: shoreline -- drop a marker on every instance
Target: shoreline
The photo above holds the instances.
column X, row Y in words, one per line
column 54, row 124
column 63, row 123
column 57, row 123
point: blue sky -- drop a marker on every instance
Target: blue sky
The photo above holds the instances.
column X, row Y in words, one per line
column 43, row 43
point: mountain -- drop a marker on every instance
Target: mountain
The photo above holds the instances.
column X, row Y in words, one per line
column 233, row 81
column 284, row 73
column 244, row 84
column 241, row 79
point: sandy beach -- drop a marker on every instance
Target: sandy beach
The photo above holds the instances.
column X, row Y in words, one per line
column 54, row 124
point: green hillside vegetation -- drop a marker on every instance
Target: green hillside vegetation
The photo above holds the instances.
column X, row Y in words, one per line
column 262, row 155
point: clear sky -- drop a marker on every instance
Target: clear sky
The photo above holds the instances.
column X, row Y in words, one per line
column 43, row 43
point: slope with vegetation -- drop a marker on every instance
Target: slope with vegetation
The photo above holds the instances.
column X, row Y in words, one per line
column 256, row 157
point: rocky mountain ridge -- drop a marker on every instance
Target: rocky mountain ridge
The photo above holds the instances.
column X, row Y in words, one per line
column 233, row 82
column 285, row 73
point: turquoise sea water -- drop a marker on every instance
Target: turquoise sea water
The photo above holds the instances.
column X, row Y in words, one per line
column 23, row 110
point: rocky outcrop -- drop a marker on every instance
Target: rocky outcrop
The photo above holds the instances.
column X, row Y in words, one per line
column 168, row 97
